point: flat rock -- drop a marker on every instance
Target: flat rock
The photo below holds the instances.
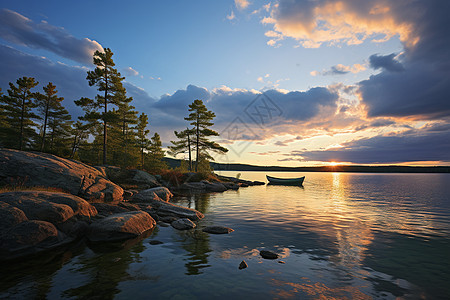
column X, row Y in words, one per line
column 183, row 224
column 106, row 209
column 268, row 254
column 169, row 209
column 121, row 226
column 217, row 229
column 47, row 170
column 215, row 187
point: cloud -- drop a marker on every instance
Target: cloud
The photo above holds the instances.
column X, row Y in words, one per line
column 409, row 147
column 386, row 62
column 20, row 30
column 231, row 16
column 241, row 4
column 314, row 23
column 130, row 71
column 340, row 69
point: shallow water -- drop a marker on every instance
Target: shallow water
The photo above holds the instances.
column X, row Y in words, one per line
column 341, row 235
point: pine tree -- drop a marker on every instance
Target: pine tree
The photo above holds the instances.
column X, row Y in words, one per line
column 126, row 117
column 60, row 131
column 201, row 119
column 80, row 133
column 143, row 142
column 48, row 104
column 109, row 82
column 17, row 113
column 183, row 145
column 155, row 161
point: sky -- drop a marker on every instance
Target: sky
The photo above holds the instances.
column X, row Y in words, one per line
column 292, row 82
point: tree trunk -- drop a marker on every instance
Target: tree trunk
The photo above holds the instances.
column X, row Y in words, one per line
column 21, row 122
column 104, row 120
column 198, row 142
column 189, row 151
column 45, row 124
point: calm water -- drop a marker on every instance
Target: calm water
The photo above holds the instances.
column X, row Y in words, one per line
column 341, row 236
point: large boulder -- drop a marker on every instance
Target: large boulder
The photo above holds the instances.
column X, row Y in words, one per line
column 129, row 178
column 47, row 170
column 29, row 237
column 36, row 208
column 10, row 216
column 54, row 207
column 121, row 226
column 150, row 195
column 214, row 186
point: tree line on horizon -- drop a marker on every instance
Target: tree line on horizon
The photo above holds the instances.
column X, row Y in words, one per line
column 111, row 131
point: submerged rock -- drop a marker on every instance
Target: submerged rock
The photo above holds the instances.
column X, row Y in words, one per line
column 29, row 237
column 183, row 224
column 243, row 265
column 268, row 254
column 155, row 242
column 217, row 229
column 121, row 226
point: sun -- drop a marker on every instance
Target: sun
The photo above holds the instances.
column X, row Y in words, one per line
column 334, row 164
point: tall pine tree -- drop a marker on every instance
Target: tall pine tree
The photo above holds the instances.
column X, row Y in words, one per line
column 201, row 119
column 143, row 142
column 48, row 104
column 155, row 161
column 109, row 83
column 183, row 144
column 17, row 113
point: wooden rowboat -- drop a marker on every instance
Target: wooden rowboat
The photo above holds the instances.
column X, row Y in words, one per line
column 285, row 181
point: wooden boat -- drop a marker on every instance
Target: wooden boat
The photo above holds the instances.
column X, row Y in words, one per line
column 285, row 181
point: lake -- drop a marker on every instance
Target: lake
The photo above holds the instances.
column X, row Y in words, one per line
column 340, row 236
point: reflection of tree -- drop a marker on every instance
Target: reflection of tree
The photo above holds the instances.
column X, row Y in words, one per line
column 196, row 242
column 36, row 271
column 107, row 269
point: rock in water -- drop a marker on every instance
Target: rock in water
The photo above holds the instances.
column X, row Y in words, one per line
column 268, row 254
column 183, row 224
column 155, row 242
column 29, row 237
column 217, row 229
column 47, row 170
column 121, row 226
column 243, row 265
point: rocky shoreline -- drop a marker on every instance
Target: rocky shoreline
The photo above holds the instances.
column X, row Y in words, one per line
column 50, row 202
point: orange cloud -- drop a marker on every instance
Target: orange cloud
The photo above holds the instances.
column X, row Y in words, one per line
column 338, row 22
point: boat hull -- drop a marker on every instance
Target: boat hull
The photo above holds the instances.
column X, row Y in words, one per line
column 285, row 181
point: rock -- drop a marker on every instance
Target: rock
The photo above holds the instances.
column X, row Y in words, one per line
column 214, row 187
column 29, row 237
column 183, row 224
column 155, row 242
column 47, row 170
column 80, row 207
column 149, row 195
column 193, row 187
column 10, row 216
column 73, row 228
column 130, row 177
column 168, row 219
column 129, row 206
column 106, row 209
column 169, row 209
column 163, row 224
column 231, row 185
column 121, row 226
column 243, row 265
column 281, row 262
column 217, row 229
column 36, row 207
column 258, row 183
column 268, row 254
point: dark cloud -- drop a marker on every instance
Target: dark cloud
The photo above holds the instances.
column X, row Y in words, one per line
column 389, row 149
column 20, row 30
column 337, row 70
column 386, row 62
column 422, row 90
column 70, row 81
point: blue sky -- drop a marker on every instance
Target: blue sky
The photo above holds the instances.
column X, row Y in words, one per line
column 349, row 78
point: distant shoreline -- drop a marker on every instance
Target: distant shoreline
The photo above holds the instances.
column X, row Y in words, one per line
column 344, row 169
